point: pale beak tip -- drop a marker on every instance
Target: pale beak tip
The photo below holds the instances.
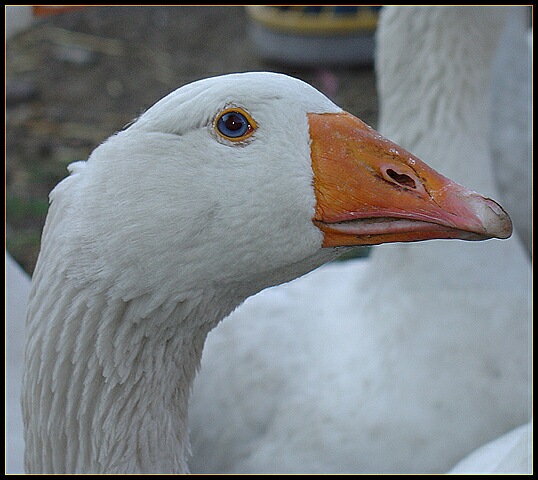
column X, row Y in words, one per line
column 495, row 220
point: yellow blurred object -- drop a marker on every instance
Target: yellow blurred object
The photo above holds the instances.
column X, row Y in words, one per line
column 311, row 35
column 327, row 20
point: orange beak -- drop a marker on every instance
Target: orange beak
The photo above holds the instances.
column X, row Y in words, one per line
column 371, row 191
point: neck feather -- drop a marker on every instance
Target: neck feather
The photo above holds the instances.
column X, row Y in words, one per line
column 434, row 72
column 107, row 382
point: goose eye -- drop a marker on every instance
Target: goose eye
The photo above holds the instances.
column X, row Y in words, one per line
column 234, row 124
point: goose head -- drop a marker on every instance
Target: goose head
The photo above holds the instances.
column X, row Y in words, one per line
column 224, row 187
column 253, row 176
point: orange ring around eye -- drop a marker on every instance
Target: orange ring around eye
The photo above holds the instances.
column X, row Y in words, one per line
column 251, row 127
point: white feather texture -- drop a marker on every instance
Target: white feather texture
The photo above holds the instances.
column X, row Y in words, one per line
column 412, row 359
column 139, row 260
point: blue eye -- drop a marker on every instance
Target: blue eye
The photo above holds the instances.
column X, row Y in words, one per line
column 234, row 124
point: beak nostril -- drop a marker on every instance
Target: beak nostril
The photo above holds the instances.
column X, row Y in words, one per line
column 401, row 178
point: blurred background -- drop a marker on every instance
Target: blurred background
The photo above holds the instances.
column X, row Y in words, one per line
column 75, row 76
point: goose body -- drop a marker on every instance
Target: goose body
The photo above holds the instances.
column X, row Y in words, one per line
column 225, row 187
column 412, row 359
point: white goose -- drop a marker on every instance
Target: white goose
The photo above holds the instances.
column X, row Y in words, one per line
column 406, row 362
column 224, row 187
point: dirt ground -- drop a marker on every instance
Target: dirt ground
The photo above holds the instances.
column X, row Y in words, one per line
column 74, row 79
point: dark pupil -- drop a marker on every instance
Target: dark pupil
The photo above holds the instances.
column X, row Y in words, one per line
column 234, row 122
